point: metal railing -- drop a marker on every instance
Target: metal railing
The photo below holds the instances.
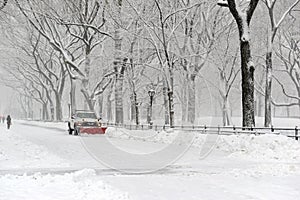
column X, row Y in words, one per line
column 220, row 130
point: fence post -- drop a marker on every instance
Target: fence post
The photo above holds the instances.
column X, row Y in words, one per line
column 272, row 128
column 234, row 129
column 218, row 129
column 296, row 132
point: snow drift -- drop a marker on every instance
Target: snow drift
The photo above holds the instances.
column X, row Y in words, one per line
column 267, row 147
column 80, row 185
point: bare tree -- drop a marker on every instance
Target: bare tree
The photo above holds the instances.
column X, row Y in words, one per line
column 86, row 25
column 228, row 73
column 243, row 18
column 53, row 30
column 202, row 26
column 274, row 26
column 289, row 55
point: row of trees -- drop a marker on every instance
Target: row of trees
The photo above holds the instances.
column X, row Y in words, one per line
column 118, row 51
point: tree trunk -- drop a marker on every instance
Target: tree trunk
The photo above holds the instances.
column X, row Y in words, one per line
column 191, row 100
column 268, row 90
column 165, row 94
column 247, row 84
column 184, row 101
column 226, row 112
column 58, row 107
column 171, row 97
column 45, row 113
column 73, row 96
column 119, row 100
column 51, row 110
column 30, row 110
column 119, row 68
column 260, row 105
column 134, row 108
column 137, row 121
column 100, row 102
column 109, row 109
column 85, row 81
column 243, row 19
column 89, row 103
column 171, row 107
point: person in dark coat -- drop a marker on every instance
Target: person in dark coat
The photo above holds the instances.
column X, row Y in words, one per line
column 8, row 121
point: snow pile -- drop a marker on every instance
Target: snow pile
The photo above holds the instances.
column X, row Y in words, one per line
column 272, row 169
column 165, row 136
column 80, row 185
column 261, row 148
column 16, row 152
column 268, row 147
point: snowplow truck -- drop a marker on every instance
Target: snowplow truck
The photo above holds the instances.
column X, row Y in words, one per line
column 85, row 122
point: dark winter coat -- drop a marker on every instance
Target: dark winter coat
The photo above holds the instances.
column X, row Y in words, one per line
column 8, row 119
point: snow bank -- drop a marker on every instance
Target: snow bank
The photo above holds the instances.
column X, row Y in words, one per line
column 80, row 185
column 261, row 148
column 279, row 169
column 165, row 137
column 16, row 152
column 268, row 147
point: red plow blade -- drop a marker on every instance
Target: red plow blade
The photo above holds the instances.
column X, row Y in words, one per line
column 93, row 130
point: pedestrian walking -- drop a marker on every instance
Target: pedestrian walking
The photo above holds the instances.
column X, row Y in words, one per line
column 8, row 121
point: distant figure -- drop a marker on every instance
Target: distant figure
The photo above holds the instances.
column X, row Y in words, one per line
column 8, row 121
column 3, row 119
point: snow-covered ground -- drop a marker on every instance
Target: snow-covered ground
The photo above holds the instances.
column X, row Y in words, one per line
column 19, row 153
column 80, row 185
column 47, row 163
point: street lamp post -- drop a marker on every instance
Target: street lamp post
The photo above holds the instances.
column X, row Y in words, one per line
column 151, row 94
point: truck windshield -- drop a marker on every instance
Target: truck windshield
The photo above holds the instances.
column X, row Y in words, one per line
column 86, row 115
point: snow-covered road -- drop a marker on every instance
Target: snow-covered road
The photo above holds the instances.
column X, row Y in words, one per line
column 227, row 173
